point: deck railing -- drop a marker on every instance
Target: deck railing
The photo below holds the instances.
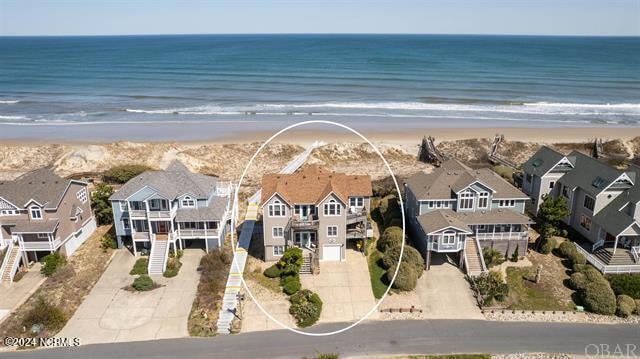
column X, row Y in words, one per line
column 484, row 266
column 442, row 247
column 7, row 254
column 606, row 268
column 138, row 213
column 41, row 245
column 159, row 214
column 502, row 236
column 635, row 251
column 198, row 233
column 299, row 223
column 597, row 245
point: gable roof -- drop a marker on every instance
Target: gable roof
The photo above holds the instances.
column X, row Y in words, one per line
column 542, row 161
column 41, row 185
column 440, row 219
column 590, row 175
column 613, row 218
column 313, row 183
column 454, row 176
column 171, row 183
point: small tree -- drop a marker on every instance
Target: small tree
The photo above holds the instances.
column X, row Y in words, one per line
column 515, row 255
column 101, row 204
column 123, row 173
column 551, row 211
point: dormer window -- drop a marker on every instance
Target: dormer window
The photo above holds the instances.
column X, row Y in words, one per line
column 35, row 212
column 466, row 199
column 188, row 202
column 332, row 208
column 276, row 209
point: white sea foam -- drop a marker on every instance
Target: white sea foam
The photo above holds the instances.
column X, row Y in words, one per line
column 3, row 117
column 8, row 102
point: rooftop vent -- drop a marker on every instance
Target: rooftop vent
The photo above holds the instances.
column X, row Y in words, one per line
column 537, row 162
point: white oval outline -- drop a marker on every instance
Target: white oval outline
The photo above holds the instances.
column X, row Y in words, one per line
column 235, row 208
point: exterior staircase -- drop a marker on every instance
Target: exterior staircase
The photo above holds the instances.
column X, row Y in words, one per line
column 307, row 265
column 9, row 264
column 473, row 258
column 158, row 256
column 622, row 256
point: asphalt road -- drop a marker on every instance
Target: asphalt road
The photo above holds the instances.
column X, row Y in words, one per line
column 375, row 338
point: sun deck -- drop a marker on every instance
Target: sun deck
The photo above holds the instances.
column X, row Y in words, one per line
column 608, row 261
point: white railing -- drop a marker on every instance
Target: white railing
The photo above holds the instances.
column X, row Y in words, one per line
column 159, row 214
column 40, row 245
column 597, row 245
column 224, row 189
column 441, row 247
column 184, row 233
column 6, row 257
column 480, row 254
column 605, row 268
column 502, row 236
column 165, row 259
column 466, row 261
column 635, row 251
column 137, row 213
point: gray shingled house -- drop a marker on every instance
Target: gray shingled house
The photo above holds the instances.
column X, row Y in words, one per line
column 41, row 213
column 175, row 207
column 602, row 200
column 456, row 209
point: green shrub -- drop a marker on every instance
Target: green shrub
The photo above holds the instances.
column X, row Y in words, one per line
column 51, row 263
column 597, row 297
column 410, row 255
column 578, row 280
column 637, row 306
column 626, row 306
column 123, row 173
column 306, row 307
column 568, row 250
column 489, row 287
column 406, row 279
column 143, row 283
column 291, row 261
column 273, row 272
column 391, row 237
column 548, row 245
column 140, row 267
column 101, row 205
column 390, row 211
column 44, row 313
column 173, row 267
column 492, row 257
column 290, row 284
column 628, row 284
column 108, row 242
column 515, row 255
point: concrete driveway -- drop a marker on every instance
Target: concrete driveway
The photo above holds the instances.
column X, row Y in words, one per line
column 344, row 287
column 16, row 293
column 112, row 314
column 444, row 292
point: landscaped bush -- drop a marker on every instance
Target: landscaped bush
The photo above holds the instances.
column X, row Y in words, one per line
column 273, row 272
column 516, row 254
column 406, row 279
column 44, row 313
column 490, row 287
column 597, row 297
column 143, row 283
column 410, row 255
column 568, row 250
column 548, row 245
column 52, row 262
column 173, row 268
column 578, row 280
column 626, row 306
column 291, row 261
column 108, row 242
column 391, row 237
column 390, row 211
column 628, row 284
column 290, row 284
column 101, row 205
column 123, row 173
column 306, row 307
column 492, row 257
column 140, row 267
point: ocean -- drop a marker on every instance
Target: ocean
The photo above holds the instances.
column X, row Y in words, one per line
column 263, row 81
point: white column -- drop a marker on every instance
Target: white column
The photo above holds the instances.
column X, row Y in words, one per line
column 135, row 252
column 615, row 245
column 50, row 239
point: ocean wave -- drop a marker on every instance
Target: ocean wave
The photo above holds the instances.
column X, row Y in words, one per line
column 8, row 102
column 25, row 118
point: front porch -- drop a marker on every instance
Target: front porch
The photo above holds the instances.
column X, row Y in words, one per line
column 610, row 258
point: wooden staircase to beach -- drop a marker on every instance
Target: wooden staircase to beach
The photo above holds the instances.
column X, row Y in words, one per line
column 9, row 263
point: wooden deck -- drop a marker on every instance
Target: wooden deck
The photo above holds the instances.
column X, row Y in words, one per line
column 623, row 256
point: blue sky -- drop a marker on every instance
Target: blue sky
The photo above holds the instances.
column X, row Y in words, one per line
column 533, row 17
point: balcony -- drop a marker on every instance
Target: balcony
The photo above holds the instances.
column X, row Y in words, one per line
column 356, row 215
column 503, row 236
column 43, row 245
column 140, row 236
column 309, row 223
column 197, row 233
column 138, row 213
column 446, row 247
column 160, row 214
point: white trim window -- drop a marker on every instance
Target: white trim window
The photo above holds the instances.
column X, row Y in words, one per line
column 506, row 203
column 9, row 212
column 82, row 195
column 332, row 231
column 35, row 212
column 466, row 199
column 552, row 184
column 431, row 204
column 277, row 209
column 589, row 203
column 332, row 208
column 188, row 202
column 43, row 235
column 126, row 224
column 278, row 251
column 483, row 200
column 278, row 232
column 449, row 237
column 357, row 202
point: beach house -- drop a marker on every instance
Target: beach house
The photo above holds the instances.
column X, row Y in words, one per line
column 459, row 210
column 176, row 208
column 41, row 213
column 602, row 200
column 314, row 209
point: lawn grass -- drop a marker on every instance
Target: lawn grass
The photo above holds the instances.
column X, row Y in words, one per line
column 140, row 267
column 525, row 294
column 376, row 271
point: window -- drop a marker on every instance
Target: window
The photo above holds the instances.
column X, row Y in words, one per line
column 483, row 200
column 565, row 191
column 36, row 213
column 43, row 235
column 506, row 203
column 278, row 251
column 82, row 195
column 278, row 232
column 356, row 202
column 449, row 237
column 585, row 222
column 430, row 204
column 188, row 202
column 332, row 231
column 276, row 209
column 438, row 204
column 589, row 203
column 123, row 206
column 466, row 200
column 10, row 212
column 552, row 184
column 332, row 208
column 125, row 224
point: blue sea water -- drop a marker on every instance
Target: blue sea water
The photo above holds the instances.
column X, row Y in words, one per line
column 419, row 79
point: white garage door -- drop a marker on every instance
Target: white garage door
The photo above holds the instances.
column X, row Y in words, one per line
column 331, row 253
column 74, row 243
